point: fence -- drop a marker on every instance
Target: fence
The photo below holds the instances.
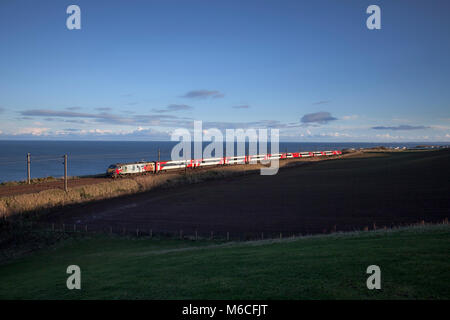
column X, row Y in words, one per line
column 148, row 232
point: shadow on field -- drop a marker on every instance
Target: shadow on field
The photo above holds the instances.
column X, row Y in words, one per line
column 344, row 194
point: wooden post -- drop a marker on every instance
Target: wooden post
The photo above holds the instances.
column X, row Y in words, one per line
column 151, row 233
column 28, row 168
column 65, row 173
column 224, row 154
column 137, row 232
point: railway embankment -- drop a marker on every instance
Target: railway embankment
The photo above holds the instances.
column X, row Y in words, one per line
column 37, row 198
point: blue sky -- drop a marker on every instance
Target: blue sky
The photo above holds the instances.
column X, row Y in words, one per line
column 138, row 69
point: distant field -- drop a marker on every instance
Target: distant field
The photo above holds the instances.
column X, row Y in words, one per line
column 415, row 264
column 343, row 194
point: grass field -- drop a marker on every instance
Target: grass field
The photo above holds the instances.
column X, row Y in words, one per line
column 414, row 264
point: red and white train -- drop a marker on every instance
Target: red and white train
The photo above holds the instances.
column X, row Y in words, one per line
column 122, row 169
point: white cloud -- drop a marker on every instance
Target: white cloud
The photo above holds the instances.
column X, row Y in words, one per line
column 97, row 131
column 439, row 127
column 350, row 117
column 388, row 136
column 32, row 131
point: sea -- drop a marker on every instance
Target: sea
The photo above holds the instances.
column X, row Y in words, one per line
column 93, row 157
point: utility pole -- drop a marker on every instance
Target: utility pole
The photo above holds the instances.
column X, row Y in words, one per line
column 159, row 155
column 65, row 173
column 28, row 168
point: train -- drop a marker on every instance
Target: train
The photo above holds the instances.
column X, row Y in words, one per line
column 153, row 167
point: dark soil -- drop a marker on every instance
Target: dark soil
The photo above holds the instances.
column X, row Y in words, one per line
column 343, row 194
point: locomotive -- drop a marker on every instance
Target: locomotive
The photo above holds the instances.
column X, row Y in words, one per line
column 143, row 167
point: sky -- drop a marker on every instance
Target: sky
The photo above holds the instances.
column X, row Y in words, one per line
column 137, row 70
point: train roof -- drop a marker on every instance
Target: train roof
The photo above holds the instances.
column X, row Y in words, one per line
column 128, row 163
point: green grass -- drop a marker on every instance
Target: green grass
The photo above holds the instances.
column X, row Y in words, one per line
column 414, row 263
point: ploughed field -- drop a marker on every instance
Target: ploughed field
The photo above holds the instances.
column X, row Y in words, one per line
column 391, row 189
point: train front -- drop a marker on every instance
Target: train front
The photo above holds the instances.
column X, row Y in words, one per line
column 113, row 170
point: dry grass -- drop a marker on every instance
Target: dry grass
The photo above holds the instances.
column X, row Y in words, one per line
column 56, row 197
